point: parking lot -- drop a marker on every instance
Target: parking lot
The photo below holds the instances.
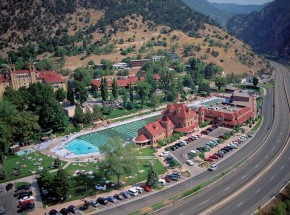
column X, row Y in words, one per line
column 8, row 201
column 180, row 153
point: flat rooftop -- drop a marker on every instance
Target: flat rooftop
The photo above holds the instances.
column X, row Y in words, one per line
column 226, row 108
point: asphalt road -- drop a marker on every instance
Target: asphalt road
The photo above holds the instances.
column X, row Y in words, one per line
column 265, row 187
column 251, row 147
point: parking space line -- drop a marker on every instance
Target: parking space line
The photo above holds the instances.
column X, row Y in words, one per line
column 240, row 204
column 258, row 190
column 227, row 188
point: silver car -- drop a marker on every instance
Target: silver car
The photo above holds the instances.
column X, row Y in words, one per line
column 2, row 211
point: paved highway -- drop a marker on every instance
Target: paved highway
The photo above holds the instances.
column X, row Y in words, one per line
column 234, row 194
column 228, row 185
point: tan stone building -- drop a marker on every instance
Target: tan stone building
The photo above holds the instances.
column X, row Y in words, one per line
column 22, row 78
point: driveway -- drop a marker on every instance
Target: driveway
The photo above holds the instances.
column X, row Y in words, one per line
column 219, row 131
column 8, row 201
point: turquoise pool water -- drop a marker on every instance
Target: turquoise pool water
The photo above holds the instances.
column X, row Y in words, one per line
column 89, row 143
column 24, row 152
column 78, row 147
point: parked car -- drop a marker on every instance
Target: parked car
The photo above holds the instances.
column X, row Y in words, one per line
column 102, row 201
column 119, row 197
column 220, row 154
column 221, row 137
column 205, row 132
column 26, row 198
column 1, row 188
column 100, row 187
column 111, row 199
column 162, row 182
column 215, row 126
column 125, row 194
column 21, row 195
column 147, row 188
column 94, row 203
column 168, row 159
column 2, row 210
column 64, row 211
column 173, row 148
column 139, row 189
column 24, row 187
column 9, row 186
column 133, row 192
column 164, row 154
column 214, row 156
column 226, row 149
column 25, row 202
column 173, row 177
column 73, row 209
column 189, row 162
column 209, row 129
column 53, row 212
column 208, row 159
column 213, row 167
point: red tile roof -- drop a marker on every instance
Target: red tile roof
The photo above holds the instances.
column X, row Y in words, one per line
column 179, row 110
column 50, row 77
column 155, row 128
column 22, row 71
column 141, row 139
column 167, row 120
column 186, row 129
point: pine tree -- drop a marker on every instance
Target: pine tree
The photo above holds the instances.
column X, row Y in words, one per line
column 115, row 90
column 131, row 92
column 70, row 93
column 152, row 176
column 79, row 114
column 104, row 89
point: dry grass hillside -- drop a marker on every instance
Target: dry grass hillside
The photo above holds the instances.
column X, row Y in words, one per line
column 233, row 55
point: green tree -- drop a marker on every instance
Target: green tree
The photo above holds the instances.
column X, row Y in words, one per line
column 143, row 89
column 152, row 176
column 60, row 94
column 115, row 89
column 88, row 116
column 255, row 81
column 57, row 163
column 125, row 99
column 25, row 124
column 16, row 97
column 5, row 137
column 62, row 184
column 45, row 179
column 81, row 92
column 104, row 89
column 220, row 82
column 70, row 93
column 119, row 159
column 131, row 93
column 97, row 113
column 83, row 74
column 79, row 114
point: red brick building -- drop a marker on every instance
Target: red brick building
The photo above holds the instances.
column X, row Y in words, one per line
column 176, row 118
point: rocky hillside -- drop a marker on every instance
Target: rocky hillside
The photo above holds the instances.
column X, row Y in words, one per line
column 237, row 8
column 79, row 32
column 267, row 31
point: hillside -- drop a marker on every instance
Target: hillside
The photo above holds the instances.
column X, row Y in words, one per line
column 268, row 31
column 76, row 33
column 208, row 9
column 237, row 8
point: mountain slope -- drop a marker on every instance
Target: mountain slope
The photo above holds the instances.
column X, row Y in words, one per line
column 206, row 8
column 237, row 8
column 268, row 31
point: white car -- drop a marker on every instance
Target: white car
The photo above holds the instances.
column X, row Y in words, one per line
column 194, row 137
column 213, row 167
column 100, row 187
column 189, row 162
column 164, row 154
column 139, row 189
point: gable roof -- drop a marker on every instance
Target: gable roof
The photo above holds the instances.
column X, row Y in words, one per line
column 154, row 128
column 179, row 110
column 50, row 77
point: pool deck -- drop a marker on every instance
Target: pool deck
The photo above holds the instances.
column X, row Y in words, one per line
column 55, row 147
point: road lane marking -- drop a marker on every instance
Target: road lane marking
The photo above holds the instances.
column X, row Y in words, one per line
column 266, row 156
column 271, row 178
column 257, row 166
column 240, row 204
column 278, row 140
column 273, row 148
column 282, row 167
column 204, row 202
column 244, row 176
column 258, row 190
column 227, row 188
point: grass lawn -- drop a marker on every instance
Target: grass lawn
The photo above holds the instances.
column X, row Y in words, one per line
column 145, row 152
column 18, row 184
column 268, row 85
column 258, row 124
column 27, row 165
column 82, row 185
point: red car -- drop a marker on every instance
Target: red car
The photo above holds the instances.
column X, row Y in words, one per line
column 221, row 137
column 214, row 156
column 205, row 132
column 208, row 159
column 215, row 126
column 146, row 188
